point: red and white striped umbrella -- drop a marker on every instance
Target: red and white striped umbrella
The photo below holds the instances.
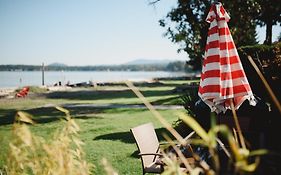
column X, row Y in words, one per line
column 223, row 78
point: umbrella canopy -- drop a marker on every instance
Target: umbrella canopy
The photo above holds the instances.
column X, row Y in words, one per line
column 223, row 78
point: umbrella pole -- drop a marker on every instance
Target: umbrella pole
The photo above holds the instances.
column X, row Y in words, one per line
column 241, row 138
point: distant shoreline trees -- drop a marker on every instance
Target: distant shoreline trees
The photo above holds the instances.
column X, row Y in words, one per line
column 177, row 66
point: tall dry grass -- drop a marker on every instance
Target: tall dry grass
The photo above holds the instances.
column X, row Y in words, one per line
column 32, row 154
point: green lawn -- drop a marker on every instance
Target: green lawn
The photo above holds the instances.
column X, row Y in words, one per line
column 105, row 132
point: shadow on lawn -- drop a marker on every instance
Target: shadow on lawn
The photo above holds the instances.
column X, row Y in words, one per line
column 127, row 137
column 170, row 100
column 145, row 84
column 49, row 114
column 102, row 95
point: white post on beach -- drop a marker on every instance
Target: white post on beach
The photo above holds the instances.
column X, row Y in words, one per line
column 43, row 68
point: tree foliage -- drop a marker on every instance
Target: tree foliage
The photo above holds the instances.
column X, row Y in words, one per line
column 269, row 15
column 186, row 25
column 177, row 66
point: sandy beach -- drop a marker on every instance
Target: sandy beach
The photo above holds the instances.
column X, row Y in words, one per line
column 6, row 92
column 10, row 92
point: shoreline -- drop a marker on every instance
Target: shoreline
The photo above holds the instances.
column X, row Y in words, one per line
column 15, row 79
column 5, row 92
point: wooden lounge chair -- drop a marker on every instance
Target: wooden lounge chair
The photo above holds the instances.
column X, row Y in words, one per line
column 148, row 146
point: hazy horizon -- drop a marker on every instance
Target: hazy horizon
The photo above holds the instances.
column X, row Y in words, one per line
column 131, row 62
column 87, row 32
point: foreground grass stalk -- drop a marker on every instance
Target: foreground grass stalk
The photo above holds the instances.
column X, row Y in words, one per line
column 155, row 113
column 269, row 90
column 181, row 156
column 241, row 138
column 108, row 168
column 201, row 132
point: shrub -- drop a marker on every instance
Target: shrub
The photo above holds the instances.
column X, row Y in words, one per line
column 268, row 59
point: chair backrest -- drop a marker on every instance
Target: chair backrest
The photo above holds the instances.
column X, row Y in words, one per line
column 147, row 142
column 25, row 89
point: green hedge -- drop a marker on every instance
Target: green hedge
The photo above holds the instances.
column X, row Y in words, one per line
column 268, row 59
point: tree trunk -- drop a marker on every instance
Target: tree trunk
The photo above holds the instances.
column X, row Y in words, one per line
column 268, row 38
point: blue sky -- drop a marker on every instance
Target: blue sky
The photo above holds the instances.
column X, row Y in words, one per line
column 85, row 32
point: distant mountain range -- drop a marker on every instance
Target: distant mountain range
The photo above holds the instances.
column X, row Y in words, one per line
column 136, row 65
column 134, row 62
column 149, row 61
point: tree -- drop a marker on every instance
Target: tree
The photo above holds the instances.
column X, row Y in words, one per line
column 176, row 66
column 186, row 25
column 270, row 14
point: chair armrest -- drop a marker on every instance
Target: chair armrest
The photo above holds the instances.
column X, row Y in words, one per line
column 156, row 160
column 150, row 154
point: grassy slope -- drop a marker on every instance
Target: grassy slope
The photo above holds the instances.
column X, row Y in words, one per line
column 104, row 131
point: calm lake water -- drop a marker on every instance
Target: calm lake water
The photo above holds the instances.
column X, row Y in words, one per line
column 24, row 78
